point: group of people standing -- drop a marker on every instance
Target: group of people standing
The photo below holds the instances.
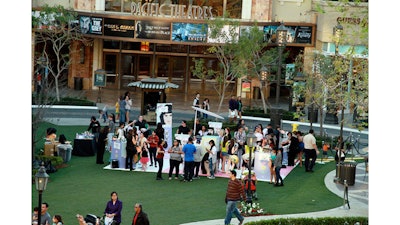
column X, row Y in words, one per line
column 235, row 108
column 204, row 105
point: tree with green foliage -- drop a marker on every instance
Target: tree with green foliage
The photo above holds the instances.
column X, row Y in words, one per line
column 240, row 55
column 55, row 29
column 340, row 81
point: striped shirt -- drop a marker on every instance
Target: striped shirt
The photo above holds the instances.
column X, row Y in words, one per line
column 235, row 190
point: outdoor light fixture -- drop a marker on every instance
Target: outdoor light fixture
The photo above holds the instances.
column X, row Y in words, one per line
column 281, row 33
column 263, row 73
column 41, row 178
column 251, row 141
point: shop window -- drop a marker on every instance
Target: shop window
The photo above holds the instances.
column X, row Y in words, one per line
column 111, row 44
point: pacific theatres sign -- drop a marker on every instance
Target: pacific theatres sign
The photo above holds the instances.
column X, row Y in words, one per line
column 171, row 10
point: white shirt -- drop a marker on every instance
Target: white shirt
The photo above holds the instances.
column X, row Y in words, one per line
column 309, row 141
column 213, row 154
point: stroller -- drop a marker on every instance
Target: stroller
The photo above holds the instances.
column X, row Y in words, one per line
column 251, row 186
column 92, row 219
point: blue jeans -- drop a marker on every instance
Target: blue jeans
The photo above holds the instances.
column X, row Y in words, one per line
column 232, row 209
column 122, row 115
column 210, row 165
column 278, row 175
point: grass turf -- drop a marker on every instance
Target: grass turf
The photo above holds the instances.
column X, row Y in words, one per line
column 84, row 187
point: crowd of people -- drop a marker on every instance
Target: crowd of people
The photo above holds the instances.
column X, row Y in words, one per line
column 229, row 155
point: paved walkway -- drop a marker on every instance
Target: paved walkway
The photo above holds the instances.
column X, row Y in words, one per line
column 358, row 200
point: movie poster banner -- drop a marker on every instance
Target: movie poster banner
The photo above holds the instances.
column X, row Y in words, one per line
column 295, row 34
column 91, row 25
column 189, row 32
column 153, row 30
column 164, row 116
column 119, row 28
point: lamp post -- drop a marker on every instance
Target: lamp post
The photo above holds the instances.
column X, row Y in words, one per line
column 281, row 32
column 41, row 178
column 263, row 79
column 251, row 141
column 337, row 33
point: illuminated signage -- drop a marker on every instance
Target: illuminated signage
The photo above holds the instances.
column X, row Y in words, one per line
column 171, row 10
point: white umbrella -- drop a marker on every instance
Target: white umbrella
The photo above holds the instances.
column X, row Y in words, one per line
column 206, row 112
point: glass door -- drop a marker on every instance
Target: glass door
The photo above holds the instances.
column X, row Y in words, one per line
column 111, row 68
column 163, row 70
column 128, row 67
column 144, row 67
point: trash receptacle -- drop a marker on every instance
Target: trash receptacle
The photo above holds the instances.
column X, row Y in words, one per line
column 78, row 83
column 64, row 151
column 314, row 115
column 348, row 173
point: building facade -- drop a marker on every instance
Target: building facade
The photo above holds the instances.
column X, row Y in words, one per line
column 133, row 40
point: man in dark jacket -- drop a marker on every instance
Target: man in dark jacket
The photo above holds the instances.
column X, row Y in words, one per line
column 140, row 217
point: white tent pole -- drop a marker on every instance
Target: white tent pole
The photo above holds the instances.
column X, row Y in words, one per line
column 194, row 122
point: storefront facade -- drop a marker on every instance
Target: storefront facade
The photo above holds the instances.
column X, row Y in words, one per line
column 138, row 39
column 159, row 40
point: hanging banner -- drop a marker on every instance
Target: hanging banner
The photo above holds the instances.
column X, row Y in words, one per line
column 295, row 34
column 289, row 75
column 91, row 25
column 164, row 116
column 153, row 30
column 246, row 86
column 189, row 32
column 119, row 28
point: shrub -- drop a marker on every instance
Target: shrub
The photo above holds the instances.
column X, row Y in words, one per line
column 313, row 221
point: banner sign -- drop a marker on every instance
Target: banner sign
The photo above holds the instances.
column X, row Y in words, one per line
column 119, row 28
column 295, row 34
column 246, row 87
column 100, row 80
column 91, row 25
column 164, row 116
column 189, row 32
column 153, row 30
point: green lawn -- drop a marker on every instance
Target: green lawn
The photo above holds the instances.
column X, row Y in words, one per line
column 84, row 187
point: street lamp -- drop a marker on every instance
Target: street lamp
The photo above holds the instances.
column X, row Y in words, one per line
column 337, row 33
column 264, row 73
column 251, row 141
column 41, row 178
column 281, row 33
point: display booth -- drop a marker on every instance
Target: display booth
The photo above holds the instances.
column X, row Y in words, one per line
column 261, row 165
column 153, row 92
column 118, row 154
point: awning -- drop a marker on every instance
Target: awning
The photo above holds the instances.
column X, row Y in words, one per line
column 153, row 83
